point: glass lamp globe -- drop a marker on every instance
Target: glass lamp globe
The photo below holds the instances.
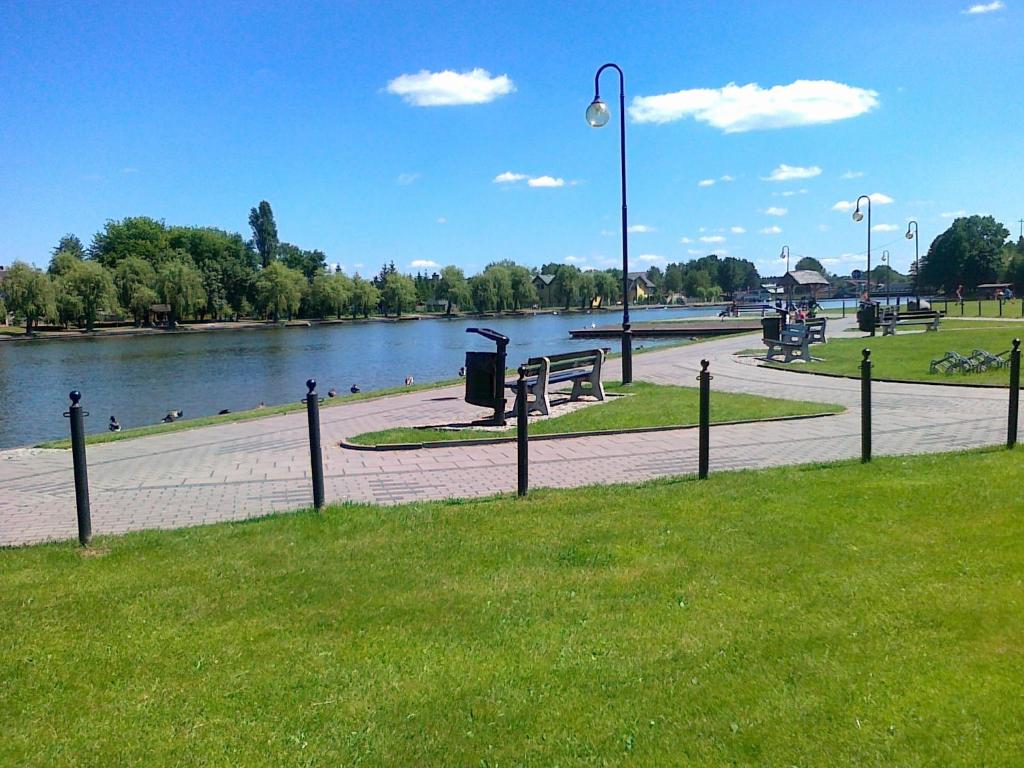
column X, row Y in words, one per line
column 598, row 114
column 858, row 216
column 910, row 235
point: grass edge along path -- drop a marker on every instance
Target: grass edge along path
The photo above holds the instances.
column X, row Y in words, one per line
column 282, row 408
column 809, row 615
column 650, row 406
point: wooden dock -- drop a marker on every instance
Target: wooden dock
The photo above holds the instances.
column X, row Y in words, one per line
column 681, row 329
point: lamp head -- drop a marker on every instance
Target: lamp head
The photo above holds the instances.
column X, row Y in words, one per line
column 857, row 215
column 598, row 114
column 910, row 235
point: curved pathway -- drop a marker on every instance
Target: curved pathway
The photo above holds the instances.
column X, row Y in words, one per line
column 246, row 469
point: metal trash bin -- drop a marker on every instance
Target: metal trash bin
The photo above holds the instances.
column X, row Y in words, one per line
column 867, row 317
column 485, row 374
column 771, row 327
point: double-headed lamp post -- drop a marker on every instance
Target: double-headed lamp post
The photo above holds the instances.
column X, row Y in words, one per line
column 599, row 115
column 858, row 216
column 885, row 260
column 917, row 260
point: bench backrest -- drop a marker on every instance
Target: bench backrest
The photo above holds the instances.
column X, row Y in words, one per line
column 566, row 361
column 921, row 314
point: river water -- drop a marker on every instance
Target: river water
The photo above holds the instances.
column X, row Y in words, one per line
column 139, row 379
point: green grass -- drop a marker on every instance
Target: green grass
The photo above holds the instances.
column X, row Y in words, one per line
column 255, row 413
column 906, row 356
column 646, row 405
column 12, row 330
column 810, row 616
column 989, row 308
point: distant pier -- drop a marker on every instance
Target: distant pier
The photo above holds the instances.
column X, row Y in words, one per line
column 682, row 329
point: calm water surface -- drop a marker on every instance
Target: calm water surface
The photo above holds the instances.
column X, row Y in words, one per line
column 139, row 379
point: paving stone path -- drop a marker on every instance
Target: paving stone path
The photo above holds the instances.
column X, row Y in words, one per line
column 245, row 469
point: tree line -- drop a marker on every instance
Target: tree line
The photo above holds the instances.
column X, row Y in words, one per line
column 138, row 265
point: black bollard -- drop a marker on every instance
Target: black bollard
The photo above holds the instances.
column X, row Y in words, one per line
column 704, row 432
column 844, row 307
column 865, row 407
column 1011, row 425
column 315, row 454
column 522, row 434
column 77, row 415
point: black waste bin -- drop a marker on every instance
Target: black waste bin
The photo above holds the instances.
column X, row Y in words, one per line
column 867, row 318
column 485, row 374
column 772, row 326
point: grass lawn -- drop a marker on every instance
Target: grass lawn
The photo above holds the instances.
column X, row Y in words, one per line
column 906, row 356
column 809, row 616
column 12, row 330
column 648, row 405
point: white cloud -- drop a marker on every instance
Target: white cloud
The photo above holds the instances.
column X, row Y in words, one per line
column 712, row 239
column 508, row 177
column 790, row 193
column 639, row 228
column 685, row 240
column 448, row 88
column 574, row 259
column 776, row 211
column 423, row 264
column 442, row 220
column 705, row 182
column 772, row 230
column 823, row 227
column 953, row 214
column 828, row 262
column 877, row 198
column 727, row 178
column 737, row 230
column 985, row 7
column 694, row 251
column 546, row 181
column 789, row 172
column 650, row 257
column 405, row 179
column 129, row 170
column 852, row 175
column 737, row 108
column 885, row 228
column 608, row 232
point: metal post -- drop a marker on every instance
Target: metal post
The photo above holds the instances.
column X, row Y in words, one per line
column 522, row 435
column 705, row 420
column 76, row 415
column 1000, row 307
column 844, row 307
column 1011, row 427
column 315, row 454
column 979, row 307
column 865, row 407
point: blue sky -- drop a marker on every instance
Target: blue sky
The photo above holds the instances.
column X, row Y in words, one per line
column 193, row 113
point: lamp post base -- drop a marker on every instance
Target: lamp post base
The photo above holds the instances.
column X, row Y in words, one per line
column 627, row 356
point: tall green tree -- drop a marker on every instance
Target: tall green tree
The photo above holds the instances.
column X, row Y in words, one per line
column 63, row 262
column 264, row 232
column 484, row 292
column 138, row 236
column 279, row 290
column 29, row 294
column 398, row 294
column 94, row 287
column 180, row 285
column 364, row 297
column 453, row 289
column 135, row 281
column 566, row 284
column 70, row 244
column 329, row 294
column 968, row 254
column 811, row 263
column 309, row 263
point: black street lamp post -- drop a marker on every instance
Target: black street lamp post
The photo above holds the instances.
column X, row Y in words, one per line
column 858, row 216
column 917, row 260
column 598, row 115
column 888, row 273
column 784, row 254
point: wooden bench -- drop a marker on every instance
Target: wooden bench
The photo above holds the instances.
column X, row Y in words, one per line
column 815, row 329
column 582, row 368
column 890, row 321
column 791, row 345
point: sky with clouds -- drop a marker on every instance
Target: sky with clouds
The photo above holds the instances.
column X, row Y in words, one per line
column 455, row 133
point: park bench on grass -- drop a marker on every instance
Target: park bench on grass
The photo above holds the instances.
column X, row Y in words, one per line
column 581, row 368
column 891, row 320
column 791, row 345
column 815, row 329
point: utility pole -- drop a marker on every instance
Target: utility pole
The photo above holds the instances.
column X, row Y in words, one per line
column 1021, row 222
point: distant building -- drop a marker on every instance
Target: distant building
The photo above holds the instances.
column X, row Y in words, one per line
column 640, row 287
column 543, row 285
column 806, row 280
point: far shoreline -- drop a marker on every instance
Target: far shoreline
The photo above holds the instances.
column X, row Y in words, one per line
column 213, row 326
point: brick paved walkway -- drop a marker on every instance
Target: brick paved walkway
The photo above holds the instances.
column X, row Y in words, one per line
column 245, row 469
